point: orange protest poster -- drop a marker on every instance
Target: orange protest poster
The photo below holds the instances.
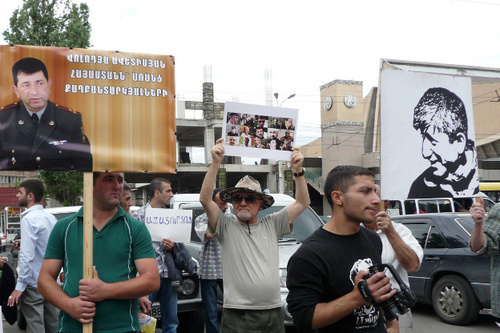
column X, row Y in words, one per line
column 86, row 110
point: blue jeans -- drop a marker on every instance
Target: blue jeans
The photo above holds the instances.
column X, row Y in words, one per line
column 209, row 300
column 168, row 305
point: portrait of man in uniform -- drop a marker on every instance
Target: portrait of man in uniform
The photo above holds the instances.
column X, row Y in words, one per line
column 36, row 133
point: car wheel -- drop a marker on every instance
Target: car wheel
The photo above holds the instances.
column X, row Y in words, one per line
column 454, row 301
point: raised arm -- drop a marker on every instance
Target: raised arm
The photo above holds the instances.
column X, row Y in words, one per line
column 207, row 187
column 477, row 238
column 301, row 194
column 408, row 251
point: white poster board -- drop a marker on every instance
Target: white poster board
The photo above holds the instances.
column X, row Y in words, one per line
column 174, row 224
column 259, row 131
column 417, row 158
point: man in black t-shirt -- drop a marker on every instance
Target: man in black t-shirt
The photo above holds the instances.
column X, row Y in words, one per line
column 323, row 275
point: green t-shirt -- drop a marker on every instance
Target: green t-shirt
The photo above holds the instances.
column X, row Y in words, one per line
column 121, row 241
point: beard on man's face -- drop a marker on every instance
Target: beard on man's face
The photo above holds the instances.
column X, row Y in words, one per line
column 243, row 214
column 447, row 168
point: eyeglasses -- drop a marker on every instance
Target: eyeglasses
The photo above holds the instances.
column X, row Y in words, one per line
column 249, row 199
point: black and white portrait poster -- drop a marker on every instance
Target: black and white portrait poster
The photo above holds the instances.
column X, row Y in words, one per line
column 427, row 136
column 259, row 131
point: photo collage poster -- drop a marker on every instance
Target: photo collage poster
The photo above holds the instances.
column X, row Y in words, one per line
column 259, row 131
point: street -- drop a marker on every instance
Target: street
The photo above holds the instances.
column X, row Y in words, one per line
column 425, row 321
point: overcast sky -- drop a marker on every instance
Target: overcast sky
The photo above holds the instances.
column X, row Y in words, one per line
column 304, row 43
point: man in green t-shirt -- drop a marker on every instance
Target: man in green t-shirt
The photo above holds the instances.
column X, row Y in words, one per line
column 122, row 249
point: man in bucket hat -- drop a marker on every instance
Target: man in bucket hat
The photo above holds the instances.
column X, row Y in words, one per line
column 249, row 245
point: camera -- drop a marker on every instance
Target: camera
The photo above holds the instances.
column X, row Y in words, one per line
column 399, row 303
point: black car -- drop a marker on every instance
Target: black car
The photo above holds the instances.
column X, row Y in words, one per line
column 451, row 278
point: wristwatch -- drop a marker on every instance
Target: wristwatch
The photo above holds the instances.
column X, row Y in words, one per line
column 299, row 174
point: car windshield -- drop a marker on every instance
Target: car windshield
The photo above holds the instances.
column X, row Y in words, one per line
column 303, row 226
column 467, row 223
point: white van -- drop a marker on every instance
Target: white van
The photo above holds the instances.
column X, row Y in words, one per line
column 303, row 227
column 435, row 205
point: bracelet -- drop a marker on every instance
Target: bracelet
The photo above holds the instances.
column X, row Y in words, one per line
column 300, row 174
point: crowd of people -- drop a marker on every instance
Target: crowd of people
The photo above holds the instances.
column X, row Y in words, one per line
column 330, row 288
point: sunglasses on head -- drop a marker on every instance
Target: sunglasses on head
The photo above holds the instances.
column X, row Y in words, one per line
column 249, row 199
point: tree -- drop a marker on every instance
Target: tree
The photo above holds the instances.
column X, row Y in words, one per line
column 53, row 23
column 50, row 23
column 64, row 186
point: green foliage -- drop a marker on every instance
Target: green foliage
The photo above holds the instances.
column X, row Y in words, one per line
column 64, row 186
column 50, row 23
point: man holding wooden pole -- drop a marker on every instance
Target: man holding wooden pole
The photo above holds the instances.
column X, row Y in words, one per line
column 122, row 248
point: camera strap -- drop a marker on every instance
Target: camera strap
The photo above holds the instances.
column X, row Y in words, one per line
column 365, row 291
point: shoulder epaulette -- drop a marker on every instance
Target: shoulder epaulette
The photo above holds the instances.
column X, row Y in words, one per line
column 66, row 108
column 13, row 105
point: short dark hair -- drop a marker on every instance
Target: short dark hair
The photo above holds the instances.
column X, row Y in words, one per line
column 215, row 191
column 28, row 66
column 126, row 186
column 34, row 186
column 443, row 110
column 157, row 184
column 96, row 175
column 341, row 178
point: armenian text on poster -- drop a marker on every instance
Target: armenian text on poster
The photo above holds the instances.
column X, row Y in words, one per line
column 174, row 224
column 121, row 107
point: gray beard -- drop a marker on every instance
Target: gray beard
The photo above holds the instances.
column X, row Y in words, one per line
column 244, row 215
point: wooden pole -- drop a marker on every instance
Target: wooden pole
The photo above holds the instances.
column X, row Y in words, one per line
column 88, row 229
column 381, row 206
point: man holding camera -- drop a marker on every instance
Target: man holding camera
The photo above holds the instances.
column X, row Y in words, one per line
column 324, row 273
column 403, row 252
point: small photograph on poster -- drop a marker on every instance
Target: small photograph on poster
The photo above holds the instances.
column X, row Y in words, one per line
column 259, row 131
column 427, row 136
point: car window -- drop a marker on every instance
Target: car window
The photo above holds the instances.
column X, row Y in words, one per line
column 410, row 207
column 454, row 233
column 435, row 240
column 419, row 231
column 197, row 210
column 467, row 223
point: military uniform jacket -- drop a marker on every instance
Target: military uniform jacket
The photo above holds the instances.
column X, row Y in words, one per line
column 59, row 143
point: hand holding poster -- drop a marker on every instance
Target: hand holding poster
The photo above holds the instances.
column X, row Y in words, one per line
column 259, row 131
column 174, row 224
column 427, row 142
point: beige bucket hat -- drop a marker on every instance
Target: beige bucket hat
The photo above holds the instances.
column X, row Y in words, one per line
column 251, row 185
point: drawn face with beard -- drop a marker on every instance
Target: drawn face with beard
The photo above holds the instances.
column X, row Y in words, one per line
column 445, row 156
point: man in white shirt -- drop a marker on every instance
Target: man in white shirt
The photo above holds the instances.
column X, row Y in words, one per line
column 36, row 225
column 403, row 252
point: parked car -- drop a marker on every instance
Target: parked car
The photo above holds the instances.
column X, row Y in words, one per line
column 451, row 278
column 303, row 227
column 189, row 308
